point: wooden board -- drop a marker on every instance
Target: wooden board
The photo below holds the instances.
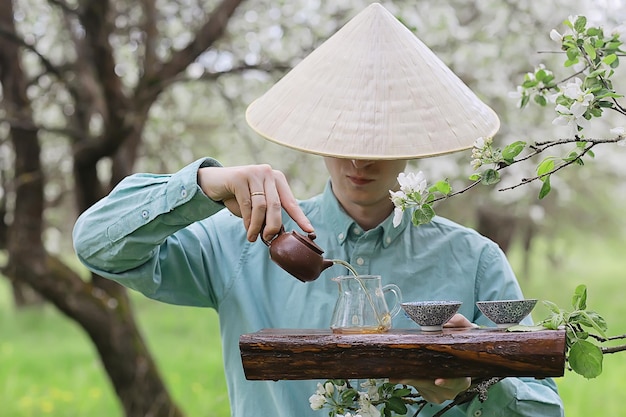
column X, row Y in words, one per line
column 289, row 354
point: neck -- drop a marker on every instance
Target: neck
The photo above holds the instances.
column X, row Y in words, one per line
column 369, row 217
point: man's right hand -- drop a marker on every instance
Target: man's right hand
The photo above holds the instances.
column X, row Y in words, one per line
column 256, row 193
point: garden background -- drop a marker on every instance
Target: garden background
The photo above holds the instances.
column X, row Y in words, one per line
column 186, row 91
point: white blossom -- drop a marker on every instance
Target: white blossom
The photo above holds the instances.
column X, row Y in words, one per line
column 517, row 94
column 398, row 198
column 567, row 118
column 480, row 142
column 372, row 388
column 412, row 182
column 329, row 387
column 317, row 401
column 556, row 36
column 366, row 408
column 398, row 214
column 321, row 390
column 574, row 91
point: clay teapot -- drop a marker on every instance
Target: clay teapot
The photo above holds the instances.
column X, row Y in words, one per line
column 297, row 254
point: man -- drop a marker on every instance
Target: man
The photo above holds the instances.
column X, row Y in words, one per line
column 363, row 102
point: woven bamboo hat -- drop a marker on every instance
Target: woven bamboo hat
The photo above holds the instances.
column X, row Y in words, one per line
column 372, row 91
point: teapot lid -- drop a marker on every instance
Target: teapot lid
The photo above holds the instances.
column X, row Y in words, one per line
column 308, row 240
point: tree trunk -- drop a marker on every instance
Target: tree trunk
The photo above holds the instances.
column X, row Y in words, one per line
column 101, row 306
column 107, row 318
column 497, row 225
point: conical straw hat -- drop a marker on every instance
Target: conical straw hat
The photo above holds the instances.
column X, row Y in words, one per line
column 372, row 91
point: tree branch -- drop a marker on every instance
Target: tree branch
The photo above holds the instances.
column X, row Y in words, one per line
column 613, row 349
column 156, row 77
column 63, row 6
column 27, row 124
column 539, row 147
column 47, row 64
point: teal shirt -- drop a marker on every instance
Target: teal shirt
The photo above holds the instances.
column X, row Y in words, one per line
column 162, row 236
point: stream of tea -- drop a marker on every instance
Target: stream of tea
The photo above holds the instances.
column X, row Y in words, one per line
column 384, row 323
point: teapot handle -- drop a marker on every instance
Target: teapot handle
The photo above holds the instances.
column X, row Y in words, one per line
column 269, row 242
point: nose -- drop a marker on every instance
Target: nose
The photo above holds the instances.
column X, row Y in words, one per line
column 361, row 163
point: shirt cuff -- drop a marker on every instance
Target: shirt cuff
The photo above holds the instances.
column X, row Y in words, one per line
column 184, row 193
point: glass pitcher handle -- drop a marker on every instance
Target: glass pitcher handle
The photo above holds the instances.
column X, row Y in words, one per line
column 396, row 291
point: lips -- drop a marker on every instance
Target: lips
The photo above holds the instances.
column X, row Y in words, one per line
column 360, row 180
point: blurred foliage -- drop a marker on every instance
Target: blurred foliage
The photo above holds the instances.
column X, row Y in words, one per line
column 490, row 44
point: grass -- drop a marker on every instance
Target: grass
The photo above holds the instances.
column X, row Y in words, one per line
column 48, row 367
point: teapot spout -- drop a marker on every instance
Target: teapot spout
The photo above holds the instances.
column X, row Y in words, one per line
column 326, row 263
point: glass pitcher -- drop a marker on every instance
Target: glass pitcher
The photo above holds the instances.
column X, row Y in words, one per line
column 361, row 306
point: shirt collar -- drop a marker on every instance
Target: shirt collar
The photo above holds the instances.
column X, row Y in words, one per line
column 341, row 222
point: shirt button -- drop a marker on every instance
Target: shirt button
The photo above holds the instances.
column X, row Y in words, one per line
column 360, row 261
column 183, row 193
column 478, row 413
column 388, row 240
column 356, row 231
column 145, row 214
column 340, row 236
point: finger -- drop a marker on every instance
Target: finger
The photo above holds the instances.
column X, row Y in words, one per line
column 258, row 211
column 272, row 216
column 290, row 204
column 455, row 385
column 459, row 320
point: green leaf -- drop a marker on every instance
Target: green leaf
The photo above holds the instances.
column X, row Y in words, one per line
column 512, row 150
column 401, row 392
column 474, row 177
column 580, row 24
column 585, row 358
column 349, row 395
column 567, row 23
column 545, row 167
column 555, row 321
column 572, row 54
column 552, row 306
column 545, row 187
column 541, row 100
column 609, row 59
column 524, row 101
column 490, row 177
column 423, row 214
column 590, row 50
column 593, row 31
column 396, row 405
column 540, row 75
column 597, row 323
column 579, row 300
column 523, row 328
column 442, row 186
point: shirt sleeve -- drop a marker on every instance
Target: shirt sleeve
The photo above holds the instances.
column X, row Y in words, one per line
column 120, row 237
column 511, row 397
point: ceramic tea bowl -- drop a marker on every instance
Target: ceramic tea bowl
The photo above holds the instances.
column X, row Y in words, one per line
column 431, row 315
column 506, row 313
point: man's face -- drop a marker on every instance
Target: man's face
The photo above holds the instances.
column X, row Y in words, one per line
column 364, row 183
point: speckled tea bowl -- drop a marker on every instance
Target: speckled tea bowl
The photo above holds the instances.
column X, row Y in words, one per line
column 506, row 313
column 431, row 315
